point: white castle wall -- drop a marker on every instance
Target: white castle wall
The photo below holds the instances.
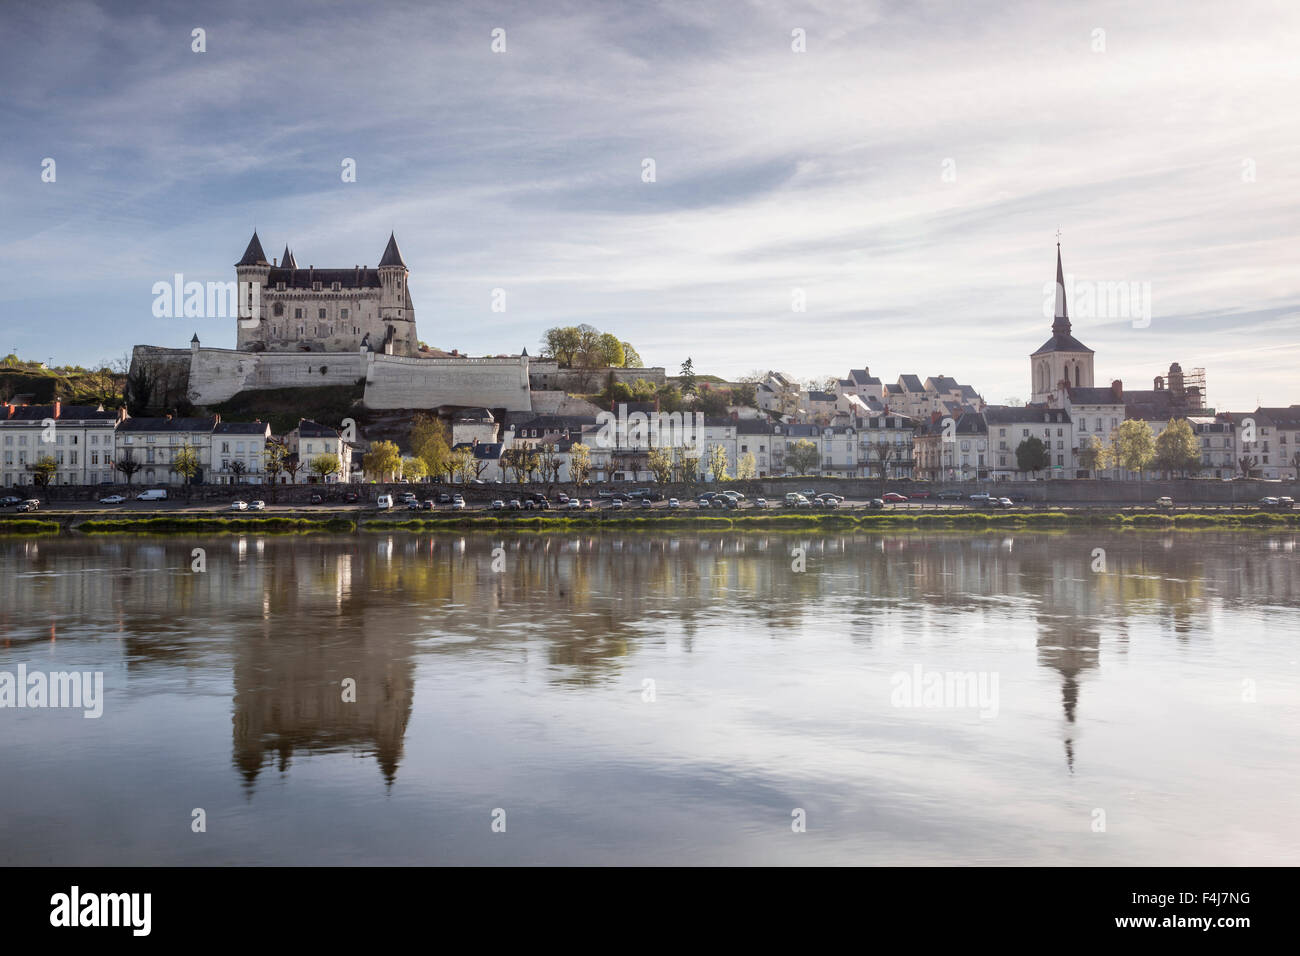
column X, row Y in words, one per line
column 218, row 374
column 396, row 381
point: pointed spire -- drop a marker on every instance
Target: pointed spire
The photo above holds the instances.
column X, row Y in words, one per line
column 253, row 255
column 287, row 261
column 392, row 256
column 1061, row 324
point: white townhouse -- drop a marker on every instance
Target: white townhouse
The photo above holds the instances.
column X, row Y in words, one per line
column 311, row 440
column 153, row 444
column 239, row 453
column 77, row 438
column 1010, row 425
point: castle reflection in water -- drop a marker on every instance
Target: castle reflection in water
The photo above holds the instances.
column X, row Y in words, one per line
column 293, row 618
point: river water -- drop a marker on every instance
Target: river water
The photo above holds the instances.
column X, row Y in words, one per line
column 1055, row 698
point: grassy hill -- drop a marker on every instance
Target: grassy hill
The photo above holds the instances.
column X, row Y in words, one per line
column 71, row 385
column 282, row 407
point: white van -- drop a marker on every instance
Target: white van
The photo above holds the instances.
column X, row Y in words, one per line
column 153, row 494
column 384, row 502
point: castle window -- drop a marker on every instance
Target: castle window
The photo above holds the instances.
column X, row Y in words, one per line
column 320, row 313
column 343, row 313
column 334, row 286
column 297, row 313
column 315, row 287
column 278, row 308
column 279, row 287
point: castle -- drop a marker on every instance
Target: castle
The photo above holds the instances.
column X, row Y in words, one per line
column 327, row 310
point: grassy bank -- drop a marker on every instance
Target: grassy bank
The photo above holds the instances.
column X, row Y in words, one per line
column 190, row 524
column 28, row 526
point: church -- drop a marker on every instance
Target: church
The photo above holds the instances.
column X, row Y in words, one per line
column 327, row 310
column 1062, row 362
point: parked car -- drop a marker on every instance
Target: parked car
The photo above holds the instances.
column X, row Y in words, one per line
column 351, row 498
column 647, row 503
column 1286, row 502
column 893, row 497
column 498, row 505
column 1164, row 502
column 239, row 506
column 458, row 504
column 791, row 497
column 384, row 502
column 515, row 505
column 574, row 504
column 1002, row 502
column 562, row 498
column 674, row 503
column 919, row 495
column 257, row 505
column 31, row 504
column 758, row 502
column 153, row 494
column 616, row 503
column 315, row 500
column 876, row 503
column 828, row 501
column 703, row 502
column 949, row 495
column 110, row 500
column 586, row 504
column 426, row 504
column 1268, row 501
column 444, row 499
column 802, row 502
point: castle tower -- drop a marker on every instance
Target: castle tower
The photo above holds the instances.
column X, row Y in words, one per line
column 394, row 302
column 1062, row 361
column 252, row 270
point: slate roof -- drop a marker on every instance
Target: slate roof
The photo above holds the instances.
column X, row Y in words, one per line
column 910, row 383
column 392, row 255
column 167, row 424
column 1093, row 396
column 1062, row 342
column 38, row 413
column 860, row 376
column 253, row 255
column 483, row 451
column 287, row 261
column 346, row 278
column 241, row 428
column 310, row 429
column 823, row 397
column 1019, row 414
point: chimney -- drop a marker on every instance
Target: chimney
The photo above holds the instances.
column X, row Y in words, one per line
column 1117, row 390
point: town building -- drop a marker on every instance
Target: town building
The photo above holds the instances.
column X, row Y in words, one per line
column 77, row 438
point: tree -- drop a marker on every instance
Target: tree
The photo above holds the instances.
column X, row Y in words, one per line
column 670, row 398
column 1295, row 465
column 802, row 457
column 515, row 461
column 884, row 451
column 138, row 388
column 608, row 351
column 631, row 358
column 579, row 463
column 413, row 468
column 429, row 442
column 745, row 393
column 274, row 460
column 237, row 468
column 747, row 467
column 690, row 467
column 688, row 377
column 712, row 401
column 1247, row 465
column 322, row 466
column 462, row 460
column 1176, row 448
column 1093, row 455
column 1135, row 446
column 292, row 465
column 661, row 463
column 549, row 461
column 127, row 465
column 43, row 474
column 186, row 463
column 561, row 344
column 1032, row 455
column 716, row 462
column 382, row 461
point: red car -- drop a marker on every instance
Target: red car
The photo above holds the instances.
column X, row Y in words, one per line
column 893, row 496
column 917, row 495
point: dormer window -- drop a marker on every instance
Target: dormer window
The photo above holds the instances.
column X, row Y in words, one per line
column 334, row 287
column 279, row 287
column 315, row 286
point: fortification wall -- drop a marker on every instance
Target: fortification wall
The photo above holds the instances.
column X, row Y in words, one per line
column 395, row 381
column 218, row 374
column 170, row 370
column 546, row 374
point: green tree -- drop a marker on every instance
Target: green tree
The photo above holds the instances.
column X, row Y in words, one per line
column 413, row 469
column 631, row 358
column 747, row 467
column 382, row 462
column 608, row 351
column 1093, row 455
column 579, row 463
column 43, row 474
column 1032, row 455
column 1135, row 446
column 561, row 344
column 670, row 398
column 746, row 393
column 802, row 457
column 322, row 466
column 462, row 461
column 274, row 457
column 186, row 464
column 1177, row 449
column 688, row 377
column 712, row 401
column 661, row 464
column 715, row 461
column 429, row 442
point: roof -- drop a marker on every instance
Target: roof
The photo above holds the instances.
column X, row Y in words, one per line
column 862, row 377
column 1092, row 396
column 824, row 397
column 753, row 426
column 1017, row 414
column 483, row 451
column 38, row 413
column 1061, row 321
column 303, row 278
column 253, row 255
column 242, row 428
column 170, row 424
column 1062, row 342
column 942, row 383
column 392, row 255
column 1285, row 417
column 287, row 261
column 310, row 429
column 474, row 415
column 910, row 383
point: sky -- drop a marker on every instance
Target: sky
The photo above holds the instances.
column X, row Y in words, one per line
column 906, row 174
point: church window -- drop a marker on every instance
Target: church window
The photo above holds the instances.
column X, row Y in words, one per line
column 278, row 309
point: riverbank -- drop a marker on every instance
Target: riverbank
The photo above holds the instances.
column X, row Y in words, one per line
column 365, row 521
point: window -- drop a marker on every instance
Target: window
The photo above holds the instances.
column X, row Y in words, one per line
column 72, row 458
column 320, row 313
column 297, row 313
column 225, row 448
column 334, row 286
column 277, row 309
column 343, row 313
